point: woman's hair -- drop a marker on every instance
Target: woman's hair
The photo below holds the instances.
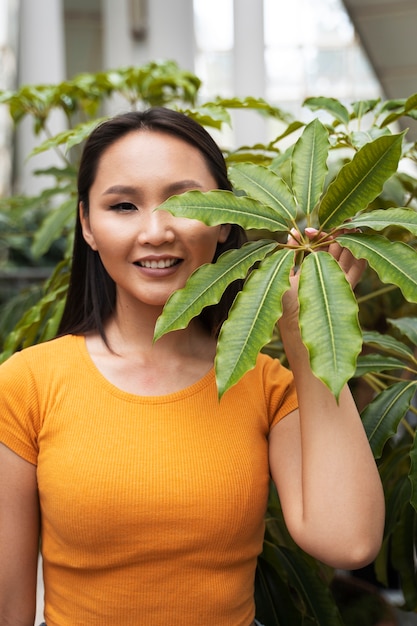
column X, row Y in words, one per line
column 91, row 297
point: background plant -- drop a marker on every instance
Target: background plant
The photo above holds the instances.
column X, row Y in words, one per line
column 340, row 172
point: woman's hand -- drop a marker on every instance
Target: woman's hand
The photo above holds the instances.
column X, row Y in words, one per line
column 352, row 267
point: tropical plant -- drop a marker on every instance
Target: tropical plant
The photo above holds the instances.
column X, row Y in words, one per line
column 340, row 173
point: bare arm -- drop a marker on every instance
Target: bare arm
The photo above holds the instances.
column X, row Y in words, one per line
column 19, row 539
column 320, row 459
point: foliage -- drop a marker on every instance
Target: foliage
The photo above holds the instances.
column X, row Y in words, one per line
column 341, row 173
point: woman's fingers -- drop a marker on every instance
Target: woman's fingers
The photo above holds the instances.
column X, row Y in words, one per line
column 352, row 267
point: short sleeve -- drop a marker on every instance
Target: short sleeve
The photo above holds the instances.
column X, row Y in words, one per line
column 19, row 412
column 280, row 392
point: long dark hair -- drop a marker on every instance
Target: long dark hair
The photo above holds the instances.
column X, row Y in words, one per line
column 91, row 297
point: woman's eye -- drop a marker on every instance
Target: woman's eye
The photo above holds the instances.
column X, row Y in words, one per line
column 123, row 207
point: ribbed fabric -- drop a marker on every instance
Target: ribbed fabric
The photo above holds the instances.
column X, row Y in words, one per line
column 152, row 507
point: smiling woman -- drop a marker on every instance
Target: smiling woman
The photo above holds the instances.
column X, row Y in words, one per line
column 148, row 254
column 160, row 518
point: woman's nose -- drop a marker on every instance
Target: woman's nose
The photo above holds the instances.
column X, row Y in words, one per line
column 156, row 228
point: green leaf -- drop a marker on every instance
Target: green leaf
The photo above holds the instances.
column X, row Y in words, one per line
column 381, row 219
column 223, row 207
column 329, row 320
column 398, row 496
column 360, row 181
column 382, row 416
column 376, row 363
column 388, row 344
column 362, row 107
column 305, row 580
column 207, row 284
column 70, row 137
column 211, row 115
column 274, row 605
column 53, row 226
column 394, row 262
column 403, row 559
column 256, row 104
column 309, row 165
column 413, row 474
column 263, row 185
column 331, row 105
column 252, row 318
column 407, row 326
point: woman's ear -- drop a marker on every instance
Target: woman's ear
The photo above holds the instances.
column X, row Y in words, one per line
column 86, row 228
column 224, row 232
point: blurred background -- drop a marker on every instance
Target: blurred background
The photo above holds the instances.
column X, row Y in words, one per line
column 279, row 50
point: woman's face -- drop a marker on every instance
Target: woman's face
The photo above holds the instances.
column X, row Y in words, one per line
column 149, row 254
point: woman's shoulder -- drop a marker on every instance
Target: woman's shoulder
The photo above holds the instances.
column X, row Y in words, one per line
column 45, row 354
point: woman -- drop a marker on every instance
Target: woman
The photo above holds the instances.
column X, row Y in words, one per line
column 147, row 493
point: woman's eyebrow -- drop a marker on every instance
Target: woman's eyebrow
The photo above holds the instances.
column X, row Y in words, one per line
column 169, row 189
column 120, row 189
column 181, row 185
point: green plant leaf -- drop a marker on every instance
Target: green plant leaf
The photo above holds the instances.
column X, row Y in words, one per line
column 381, row 219
column 329, row 320
column 71, row 137
column 387, row 343
column 252, row 318
column 52, row 227
column 360, row 180
column 360, row 138
column 263, row 185
column 407, row 326
column 223, row 207
column 309, row 165
column 304, row 579
column 382, row 416
column 362, row 107
column 398, row 496
column 256, row 104
column 403, row 559
column 207, row 284
column 413, row 474
column 331, row 105
column 394, row 262
column 274, row 605
column 376, row 363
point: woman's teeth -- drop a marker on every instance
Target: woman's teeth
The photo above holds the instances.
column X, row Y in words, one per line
column 161, row 264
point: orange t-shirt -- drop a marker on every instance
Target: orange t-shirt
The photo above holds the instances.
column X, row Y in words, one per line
column 152, row 507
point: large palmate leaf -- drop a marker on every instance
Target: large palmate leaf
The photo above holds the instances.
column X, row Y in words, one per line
column 207, row 284
column 252, row 319
column 309, row 165
column 223, row 207
column 360, row 180
column 329, row 320
column 394, row 262
column 382, row 416
column 263, row 185
column 379, row 220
